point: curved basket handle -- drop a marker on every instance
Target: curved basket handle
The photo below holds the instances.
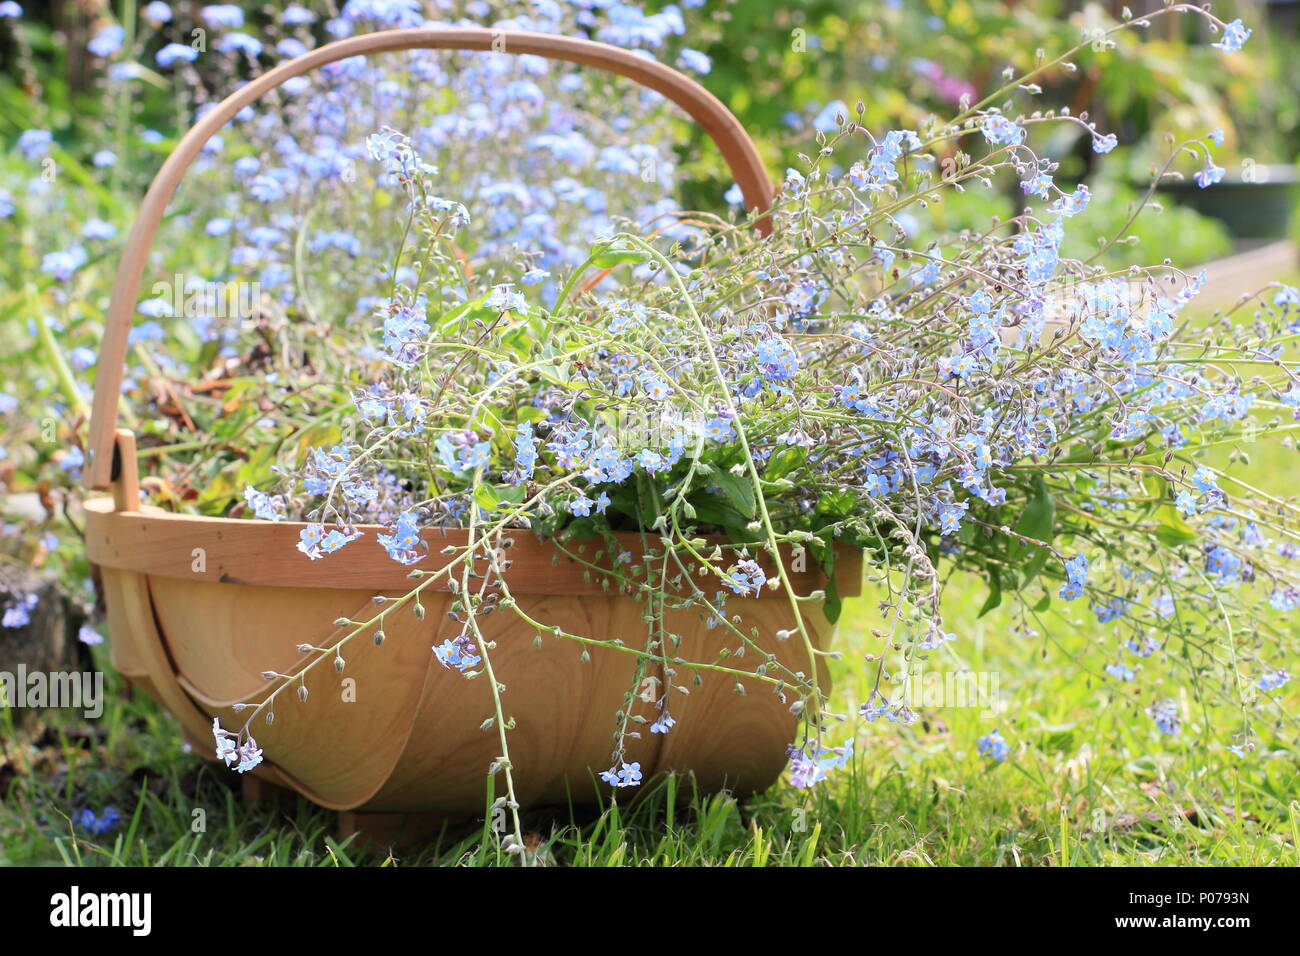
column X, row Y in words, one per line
column 713, row 117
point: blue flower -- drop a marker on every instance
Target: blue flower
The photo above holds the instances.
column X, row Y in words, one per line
column 1039, row 184
column 249, row 756
column 157, row 12
column 64, row 264
column 107, row 41
column 505, row 299
column 291, row 48
column 992, row 745
column 826, row 121
column 475, row 456
column 1273, row 679
column 1104, row 144
column 1210, row 175
column 315, row 542
column 174, row 52
column 35, row 143
column 746, row 576
column 1166, row 717
column 1071, row 203
column 808, row 768
column 525, row 453
column 719, row 429
column 950, row 515
column 997, row 129
column 628, row 775
column 225, row 15
column 458, row 654
column 404, row 545
column 650, row 460
column 656, row 389
column 296, row 15
column 267, row 188
column 393, row 13
column 694, row 60
column 405, row 327
column 335, row 539
column 1235, row 36
column 18, row 613
column 106, row 822
column 240, row 43
column 1204, row 480
column 1076, row 570
column 267, row 507
column 98, row 229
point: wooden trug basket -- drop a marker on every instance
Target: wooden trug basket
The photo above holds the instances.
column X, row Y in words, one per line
column 197, row 633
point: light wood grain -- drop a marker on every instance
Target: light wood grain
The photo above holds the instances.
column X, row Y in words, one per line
column 412, row 739
column 264, row 553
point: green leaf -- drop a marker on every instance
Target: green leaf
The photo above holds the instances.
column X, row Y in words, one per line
column 714, row 509
column 1036, row 564
column 486, row 497
column 833, row 605
column 315, row 436
column 223, row 487
column 257, row 469
column 737, row 489
column 785, row 460
column 1171, row 529
column 995, row 592
column 581, row 529
column 491, row 498
column 838, row 504
column 1037, row 521
column 616, row 254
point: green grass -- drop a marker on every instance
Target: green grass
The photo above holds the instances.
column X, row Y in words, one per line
column 1089, row 782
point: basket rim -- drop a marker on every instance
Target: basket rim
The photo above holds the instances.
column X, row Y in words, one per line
column 257, row 552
